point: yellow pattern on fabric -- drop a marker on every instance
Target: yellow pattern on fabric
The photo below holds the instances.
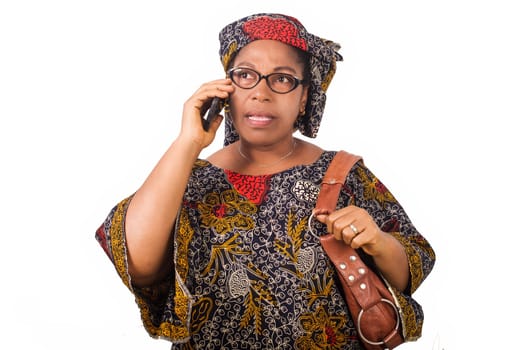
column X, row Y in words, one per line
column 182, row 301
column 223, row 252
column 200, row 313
column 226, row 211
column 118, row 246
column 183, row 237
column 329, row 76
column 166, row 330
column 295, row 232
column 374, row 189
column 414, row 259
column 319, row 288
column 322, row 331
column 253, row 303
column 119, row 253
column 303, row 259
column 410, row 327
column 227, row 57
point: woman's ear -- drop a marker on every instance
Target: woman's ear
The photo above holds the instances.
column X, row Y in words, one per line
column 303, row 100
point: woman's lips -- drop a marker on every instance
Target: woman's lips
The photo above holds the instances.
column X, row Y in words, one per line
column 259, row 120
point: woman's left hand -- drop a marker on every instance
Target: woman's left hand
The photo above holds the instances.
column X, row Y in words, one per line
column 356, row 228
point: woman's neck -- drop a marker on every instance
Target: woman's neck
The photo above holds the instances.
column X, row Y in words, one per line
column 265, row 158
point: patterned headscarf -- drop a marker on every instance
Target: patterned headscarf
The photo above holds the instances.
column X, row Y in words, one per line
column 288, row 30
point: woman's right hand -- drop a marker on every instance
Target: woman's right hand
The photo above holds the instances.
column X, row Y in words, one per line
column 192, row 128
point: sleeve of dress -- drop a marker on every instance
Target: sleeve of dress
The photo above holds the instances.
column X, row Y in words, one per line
column 366, row 191
column 164, row 307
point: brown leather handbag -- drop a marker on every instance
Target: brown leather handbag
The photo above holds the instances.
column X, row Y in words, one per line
column 371, row 303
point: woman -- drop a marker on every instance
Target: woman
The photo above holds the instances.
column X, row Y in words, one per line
column 218, row 251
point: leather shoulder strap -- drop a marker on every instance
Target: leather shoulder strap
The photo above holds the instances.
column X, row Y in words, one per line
column 333, row 180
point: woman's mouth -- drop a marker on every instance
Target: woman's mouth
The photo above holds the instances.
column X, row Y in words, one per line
column 259, row 120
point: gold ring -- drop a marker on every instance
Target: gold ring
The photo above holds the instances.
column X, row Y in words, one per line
column 354, row 229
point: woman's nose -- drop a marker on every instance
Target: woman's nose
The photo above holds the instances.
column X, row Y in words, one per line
column 261, row 91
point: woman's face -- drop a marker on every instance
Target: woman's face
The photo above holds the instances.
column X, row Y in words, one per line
column 260, row 115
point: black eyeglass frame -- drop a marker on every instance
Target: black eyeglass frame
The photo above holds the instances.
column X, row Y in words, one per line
column 297, row 80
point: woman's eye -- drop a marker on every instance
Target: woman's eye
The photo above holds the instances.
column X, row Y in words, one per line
column 283, row 79
column 246, row 75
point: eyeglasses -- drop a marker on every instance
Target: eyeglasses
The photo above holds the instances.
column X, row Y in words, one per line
column 247, row 78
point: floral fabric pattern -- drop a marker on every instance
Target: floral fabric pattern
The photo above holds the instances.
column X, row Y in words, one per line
column 248, row 274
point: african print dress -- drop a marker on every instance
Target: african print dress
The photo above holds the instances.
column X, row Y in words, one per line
column 248, row 272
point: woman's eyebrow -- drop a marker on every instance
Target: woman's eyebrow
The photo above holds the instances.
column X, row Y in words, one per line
column 275, row 69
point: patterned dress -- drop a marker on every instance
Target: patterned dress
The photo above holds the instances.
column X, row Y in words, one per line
column 249, row 274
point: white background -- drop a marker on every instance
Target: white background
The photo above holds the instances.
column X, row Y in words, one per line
column 91, row 92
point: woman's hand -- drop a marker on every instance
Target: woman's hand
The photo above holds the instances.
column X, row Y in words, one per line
column 196, row 106
column 357, row 228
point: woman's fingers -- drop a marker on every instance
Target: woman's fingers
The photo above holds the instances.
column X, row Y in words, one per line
column 350, row 233
column 351, row 224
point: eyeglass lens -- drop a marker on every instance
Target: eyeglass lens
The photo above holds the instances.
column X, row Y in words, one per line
column 248, row 78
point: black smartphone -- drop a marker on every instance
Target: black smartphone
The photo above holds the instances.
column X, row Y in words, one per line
column 216, row 106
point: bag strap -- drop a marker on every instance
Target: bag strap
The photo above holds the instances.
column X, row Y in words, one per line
column 333, row 181
column 349, row 267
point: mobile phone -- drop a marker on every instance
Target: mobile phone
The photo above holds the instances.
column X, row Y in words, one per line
column 216, row 106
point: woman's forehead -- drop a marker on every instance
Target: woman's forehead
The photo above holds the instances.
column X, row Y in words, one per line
column 268, row 52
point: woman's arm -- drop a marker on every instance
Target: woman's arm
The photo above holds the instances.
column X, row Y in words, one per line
column 375, row 222
column 153, row 209
column 152, row 212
